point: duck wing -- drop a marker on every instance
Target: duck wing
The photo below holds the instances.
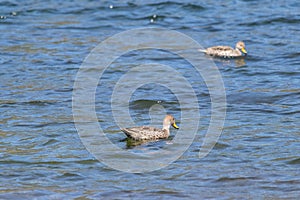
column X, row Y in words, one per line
column 222, row 51
column 144, row 133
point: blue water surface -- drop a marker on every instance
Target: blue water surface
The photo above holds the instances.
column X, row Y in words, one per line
column 43, row 45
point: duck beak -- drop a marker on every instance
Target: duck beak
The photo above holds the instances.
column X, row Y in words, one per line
column 175, row 126
column 244, row 50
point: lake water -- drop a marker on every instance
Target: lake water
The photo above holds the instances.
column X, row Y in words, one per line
column 43, row 45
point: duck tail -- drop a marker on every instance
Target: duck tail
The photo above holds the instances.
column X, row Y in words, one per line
column 202, row 50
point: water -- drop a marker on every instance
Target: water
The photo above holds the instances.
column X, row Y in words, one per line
column 43, row 46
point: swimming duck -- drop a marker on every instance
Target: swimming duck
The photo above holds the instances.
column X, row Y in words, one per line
column 226, row 51
column 151, row 133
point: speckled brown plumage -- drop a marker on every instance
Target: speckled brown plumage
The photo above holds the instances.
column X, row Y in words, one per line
column 151, row 133
column 226, row 51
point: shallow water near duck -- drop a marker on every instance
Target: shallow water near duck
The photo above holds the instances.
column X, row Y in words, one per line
column 43, row 46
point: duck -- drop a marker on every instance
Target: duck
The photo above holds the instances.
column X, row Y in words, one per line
column 226, row 51
column 143, row 133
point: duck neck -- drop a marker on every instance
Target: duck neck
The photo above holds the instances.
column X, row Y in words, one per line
column 238, row 50
column 166, row 128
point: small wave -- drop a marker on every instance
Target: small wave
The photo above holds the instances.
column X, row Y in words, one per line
column 283, row 20
column 227, row 179
column 143, row 103
column 195, row 7
column 294, row 161
column 50, row 142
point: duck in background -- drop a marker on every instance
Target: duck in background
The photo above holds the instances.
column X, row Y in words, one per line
column 226, row 51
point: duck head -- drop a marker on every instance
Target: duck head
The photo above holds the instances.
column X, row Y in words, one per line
column 241, row 47
column 169, row 121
